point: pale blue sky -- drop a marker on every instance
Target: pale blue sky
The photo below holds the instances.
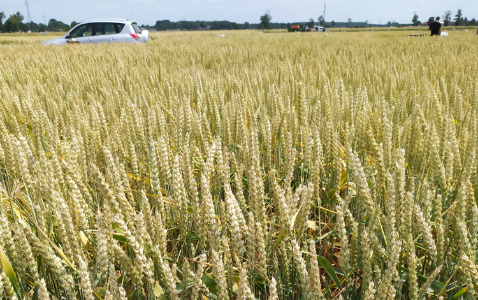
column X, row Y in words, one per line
column 149, row 11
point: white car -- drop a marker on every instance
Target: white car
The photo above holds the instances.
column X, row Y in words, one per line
column 102, row 31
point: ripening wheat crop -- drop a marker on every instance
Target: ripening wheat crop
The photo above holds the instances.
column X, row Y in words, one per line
column 243, row 166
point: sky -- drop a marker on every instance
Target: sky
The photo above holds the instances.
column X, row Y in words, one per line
column 147, row 12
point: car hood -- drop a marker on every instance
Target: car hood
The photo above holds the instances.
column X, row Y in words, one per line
column 55, row 41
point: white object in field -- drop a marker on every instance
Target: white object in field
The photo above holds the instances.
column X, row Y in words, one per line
column 145, row 35
column 444, row 34
column 102, row 31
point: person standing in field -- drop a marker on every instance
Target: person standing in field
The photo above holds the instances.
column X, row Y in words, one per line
column 435, row 27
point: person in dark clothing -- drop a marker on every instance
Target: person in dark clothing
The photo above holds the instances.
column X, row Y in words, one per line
column 435, row 27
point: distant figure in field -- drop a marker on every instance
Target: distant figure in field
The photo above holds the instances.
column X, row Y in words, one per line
column 435, row 27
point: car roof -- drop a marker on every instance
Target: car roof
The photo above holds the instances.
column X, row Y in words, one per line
column 108, row 20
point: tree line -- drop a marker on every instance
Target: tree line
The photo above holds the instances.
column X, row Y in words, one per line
column 14, row 23
column 200, row 25
column 458, row 20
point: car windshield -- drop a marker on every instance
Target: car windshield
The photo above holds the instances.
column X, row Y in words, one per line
column 136, row 28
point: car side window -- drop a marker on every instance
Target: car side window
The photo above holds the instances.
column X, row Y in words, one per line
column 112, row 28
column 96, row 29
column 82, row 31
column 136, row 28
column 118, row 27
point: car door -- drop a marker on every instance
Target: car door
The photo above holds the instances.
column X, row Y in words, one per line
column 110, row 32
column 81, row 34
column 106, row 32
column 96, row 36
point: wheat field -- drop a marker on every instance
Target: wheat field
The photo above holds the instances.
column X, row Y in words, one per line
column 240, row 165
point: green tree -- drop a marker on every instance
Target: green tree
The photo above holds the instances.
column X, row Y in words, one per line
column 25, row 27
column 415, row 21
column 349, row 22
column 431, row 20
column 321, row 20
column 14, row 22
column 164, row 25
column 2, row 15
column 311, row 23
column 55, row 25
column 34, row 27
column 332, row 24
column 458, row 18
column 447, row 17
column 265, row 21
column 52, row 24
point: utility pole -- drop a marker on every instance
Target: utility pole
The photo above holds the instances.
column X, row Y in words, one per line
column 28, row 14
column 324, row 12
